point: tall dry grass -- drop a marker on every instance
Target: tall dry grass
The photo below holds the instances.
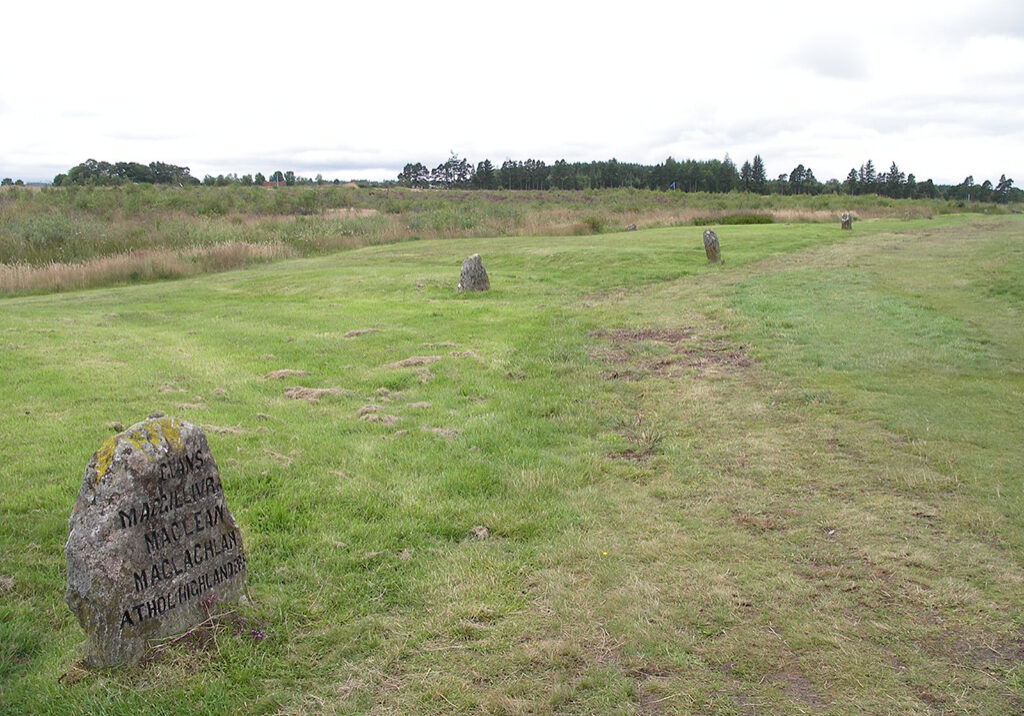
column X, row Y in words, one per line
column 136, row 266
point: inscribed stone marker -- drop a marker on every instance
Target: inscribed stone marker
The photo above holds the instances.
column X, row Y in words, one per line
column 151, row 542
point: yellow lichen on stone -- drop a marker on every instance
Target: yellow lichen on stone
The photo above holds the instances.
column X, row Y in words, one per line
column 171, row 429
column 104, row 456
column 161, row 435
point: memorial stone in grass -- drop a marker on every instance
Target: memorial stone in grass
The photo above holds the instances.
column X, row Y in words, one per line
column 711, row 247
column 473, row 276
column 151, row 543
column 847, row 220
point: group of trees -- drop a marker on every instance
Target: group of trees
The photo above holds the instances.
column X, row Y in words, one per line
column 94, row 173
column 717, row 176
column 535, row 174
column 690, row 175
column 894, row 183
column 276, row 178
column 1002, row 192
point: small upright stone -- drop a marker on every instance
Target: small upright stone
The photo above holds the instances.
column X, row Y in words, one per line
column 847, row 220
column 631, row 227
column 473, row 276
column 711, row 247
column 151, row 543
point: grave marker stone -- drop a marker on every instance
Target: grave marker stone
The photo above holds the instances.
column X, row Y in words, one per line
column 151, row 542
column 847, row 220
column 711, row 247
column 473, row 276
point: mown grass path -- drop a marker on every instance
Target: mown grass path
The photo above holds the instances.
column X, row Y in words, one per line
column 622, row 480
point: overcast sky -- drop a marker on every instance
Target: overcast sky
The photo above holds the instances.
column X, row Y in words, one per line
column 358, row 89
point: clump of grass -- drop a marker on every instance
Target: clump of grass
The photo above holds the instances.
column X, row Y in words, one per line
column 591, row 225
column 736, row 219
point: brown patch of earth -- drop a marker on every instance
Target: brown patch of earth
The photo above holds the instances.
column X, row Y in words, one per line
column 285, row 373
column 78, row 672
column 798, row 687
column 979, row 650
column 378, row 418
column 416, row 360
column 759, row 522
column 418, row 406
column 360, row 332
column 447, row 433
column 223, row 430
column 637, row 354
column 310, row 394
column 634, row 455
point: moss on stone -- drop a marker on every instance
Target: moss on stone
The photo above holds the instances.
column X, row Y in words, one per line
column 161, row 434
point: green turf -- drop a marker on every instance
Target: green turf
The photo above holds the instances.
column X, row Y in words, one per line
column 789, row 483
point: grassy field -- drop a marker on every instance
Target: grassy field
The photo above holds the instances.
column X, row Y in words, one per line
column 623, row 480
column 68, row 238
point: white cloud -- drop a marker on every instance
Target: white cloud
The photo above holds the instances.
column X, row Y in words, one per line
column 354, row 90
column 831, row 59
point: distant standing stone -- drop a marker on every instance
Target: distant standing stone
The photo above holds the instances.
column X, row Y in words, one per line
column 473, row 276
column 631, row 227
column 847, row 220
column 151, row 542
column 711, row 247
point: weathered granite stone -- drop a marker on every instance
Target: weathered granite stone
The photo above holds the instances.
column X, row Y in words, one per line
column 631, row 227
column 711, row 247
column 473, row 276
column 847, row 220
column 151, row 543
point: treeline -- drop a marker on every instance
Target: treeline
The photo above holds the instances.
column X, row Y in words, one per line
column 277, row 178
column 713, row 176
column 95, row 173
column 894, row 183
column 690, row 175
